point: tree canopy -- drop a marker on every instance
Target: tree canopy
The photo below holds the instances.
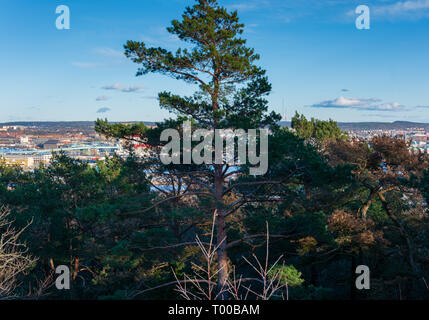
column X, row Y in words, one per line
column 132, row 227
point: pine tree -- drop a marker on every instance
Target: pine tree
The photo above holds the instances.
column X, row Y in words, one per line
column 231, row 86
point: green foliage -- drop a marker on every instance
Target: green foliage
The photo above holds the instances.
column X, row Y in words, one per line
column 92, row 213
column 312, row 292
column 217, row 59
column 330, row 203
column 288, row 275
column 316, row 129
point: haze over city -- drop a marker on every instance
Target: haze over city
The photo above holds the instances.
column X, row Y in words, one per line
column 316, row 59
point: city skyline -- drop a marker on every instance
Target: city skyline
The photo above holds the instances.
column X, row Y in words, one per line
column 316, row 59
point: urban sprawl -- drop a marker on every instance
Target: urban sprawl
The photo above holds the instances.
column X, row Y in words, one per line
column 29, row 146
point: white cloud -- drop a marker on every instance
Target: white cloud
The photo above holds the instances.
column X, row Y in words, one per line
column 102, row 98
column 159, row 37
column 250, row 5
column 103, row 110
column 360, row 104
column 410, row 8
column 394, row 106
column 132, row 89
column 116, row 86
column 109, row 52
column 85, row 65
column 401, row 7
column 120, row 87
column 245, row 6
column 110, row 56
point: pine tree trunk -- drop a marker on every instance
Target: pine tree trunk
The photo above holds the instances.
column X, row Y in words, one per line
column 220, row 210
column 221, row 251
column 307, row 191
column 221, row 231
column 364, row 209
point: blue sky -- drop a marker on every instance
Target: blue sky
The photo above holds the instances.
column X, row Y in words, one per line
column 316, row 59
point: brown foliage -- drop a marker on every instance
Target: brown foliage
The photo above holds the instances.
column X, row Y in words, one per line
column 352, row 232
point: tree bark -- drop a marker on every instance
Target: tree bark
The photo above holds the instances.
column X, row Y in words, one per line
column 221, row 231
column 220, row 213
column 402, row 231
column 307, row 191
column 222, row 251
column 364, row 209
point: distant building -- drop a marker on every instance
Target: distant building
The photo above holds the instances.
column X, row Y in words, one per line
column 20, row 160
column 42, row 159
column 50, row 144
column 24, row 140
column 13, row 128
column 7, row 140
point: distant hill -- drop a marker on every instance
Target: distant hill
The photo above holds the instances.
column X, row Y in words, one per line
column 62, row 124
column 397, row 125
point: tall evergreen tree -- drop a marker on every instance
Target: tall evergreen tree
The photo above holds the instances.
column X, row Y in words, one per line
column 231, row 87
column 232, row 94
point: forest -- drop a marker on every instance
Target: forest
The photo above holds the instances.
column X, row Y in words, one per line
column 137, row 229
